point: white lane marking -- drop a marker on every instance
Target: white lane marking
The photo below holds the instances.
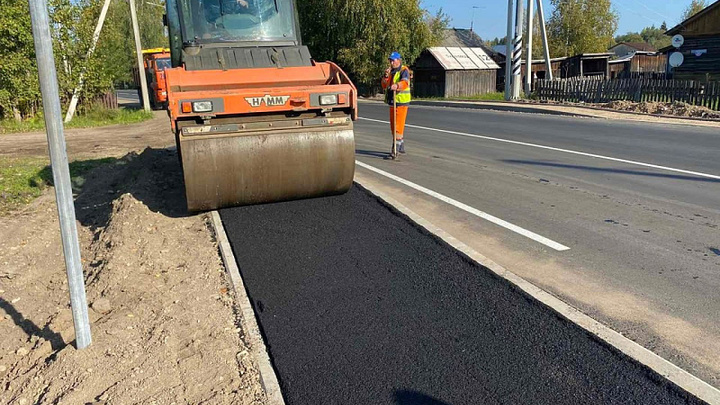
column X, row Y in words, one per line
column 574, row 152
column 484, row 215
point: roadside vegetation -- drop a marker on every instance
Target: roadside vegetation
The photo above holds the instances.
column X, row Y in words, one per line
column 23, row 179
column 496, row 96
column 93, row 118
column 72, row 24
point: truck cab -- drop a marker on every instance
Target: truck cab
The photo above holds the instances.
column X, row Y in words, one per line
column 155, row 62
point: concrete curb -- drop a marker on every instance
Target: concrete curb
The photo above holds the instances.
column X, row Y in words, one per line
column 530, row 108
column 510, row 107
column 268, row 378
column 668, row 370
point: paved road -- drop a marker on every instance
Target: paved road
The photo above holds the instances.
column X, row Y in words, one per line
column 359, row 306
column 644, row 242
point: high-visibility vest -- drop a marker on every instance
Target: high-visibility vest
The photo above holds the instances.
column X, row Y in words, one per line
column 402, row 97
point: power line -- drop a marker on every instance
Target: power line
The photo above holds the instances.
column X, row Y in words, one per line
column 636, row 13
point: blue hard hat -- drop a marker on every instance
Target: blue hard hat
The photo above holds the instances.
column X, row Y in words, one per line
column 394, row 56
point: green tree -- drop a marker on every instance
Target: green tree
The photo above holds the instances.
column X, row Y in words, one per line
column 655, row 36
column 581, row 26
column 495, row 41
column 629, row 37
column 651, row 35
column 360, row 34
column 19, row 89
column 118, row 45
column 72, row 26
column 693, row 8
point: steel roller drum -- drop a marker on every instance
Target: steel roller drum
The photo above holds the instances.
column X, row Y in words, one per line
column 244, row 169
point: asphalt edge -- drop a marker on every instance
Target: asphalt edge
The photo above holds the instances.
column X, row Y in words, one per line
column 678, row 376
column 532, row 108
column 268, row 378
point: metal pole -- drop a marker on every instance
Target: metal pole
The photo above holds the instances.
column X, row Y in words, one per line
column 60, row 169
column 138, row 51
column 529, row 53
column 546, row 46
column 517, row 51
column 81, row 82
column 508, row 54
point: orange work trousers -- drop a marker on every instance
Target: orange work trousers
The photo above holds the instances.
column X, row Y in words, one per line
column 402, row 112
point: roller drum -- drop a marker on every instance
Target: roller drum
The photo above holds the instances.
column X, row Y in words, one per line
column 244, row 169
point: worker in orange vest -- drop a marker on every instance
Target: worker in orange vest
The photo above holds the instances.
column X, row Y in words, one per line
column 396, row 82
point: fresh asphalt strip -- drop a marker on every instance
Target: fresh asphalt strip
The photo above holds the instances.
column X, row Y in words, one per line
column 358, row 305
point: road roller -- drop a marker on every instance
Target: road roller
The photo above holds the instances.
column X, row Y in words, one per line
column 256, row 119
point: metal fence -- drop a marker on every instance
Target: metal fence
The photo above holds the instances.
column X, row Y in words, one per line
column 706, row 94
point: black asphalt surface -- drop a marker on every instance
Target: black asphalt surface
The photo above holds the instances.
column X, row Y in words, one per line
column 360, row 306
column 643, row 241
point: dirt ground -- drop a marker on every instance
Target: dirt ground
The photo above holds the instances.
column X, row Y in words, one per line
column 165, row 326
column 676, row 109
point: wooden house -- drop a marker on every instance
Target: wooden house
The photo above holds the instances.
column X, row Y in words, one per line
column 461, row 67
column 639, row 64
column 701, row 47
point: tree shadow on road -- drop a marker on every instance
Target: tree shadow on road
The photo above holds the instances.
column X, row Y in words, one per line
column 611, row 170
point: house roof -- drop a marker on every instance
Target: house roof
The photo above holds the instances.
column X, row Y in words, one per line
column 639, row 46
column 463, row 58
column 463, row 38
column 500, row 49
column 678, row 28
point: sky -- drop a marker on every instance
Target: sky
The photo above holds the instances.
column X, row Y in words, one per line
column 490, row 18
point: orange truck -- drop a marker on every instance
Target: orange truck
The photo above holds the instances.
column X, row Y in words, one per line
column 256, row 119
column 155, row 61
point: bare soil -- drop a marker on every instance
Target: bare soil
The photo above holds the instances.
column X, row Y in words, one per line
column 164, row 321
column 676, row 109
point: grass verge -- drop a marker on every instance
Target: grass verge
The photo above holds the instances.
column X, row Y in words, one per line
column 93, row 118
column 24, row 179
column 481, row 97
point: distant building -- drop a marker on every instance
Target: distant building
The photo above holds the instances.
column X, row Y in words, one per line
column 582, row 65
column 626, row 48
column 701, row 49
column 639, row 64
column 461, row 66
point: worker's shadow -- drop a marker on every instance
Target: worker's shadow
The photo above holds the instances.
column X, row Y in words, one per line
column 372, row 153
column 29, row 327
column 152, row 177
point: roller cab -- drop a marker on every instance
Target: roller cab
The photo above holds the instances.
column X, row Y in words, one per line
column 256, row 120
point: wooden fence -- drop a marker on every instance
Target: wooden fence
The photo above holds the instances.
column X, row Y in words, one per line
column 705, row 94
column 106, row 101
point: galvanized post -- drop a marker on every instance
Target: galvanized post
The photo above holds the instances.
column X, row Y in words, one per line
column 60, row 169
column 508, row 53
column 138, row 52
column 529, row 53
column 546, row 46
column 96, row 35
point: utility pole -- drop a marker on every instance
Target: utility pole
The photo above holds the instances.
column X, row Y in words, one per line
column 81, row 82
column 546, row 46
column 138, row 51
column 529, row 53
column 517, row 51
column 60, row 169
column 508, row 54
